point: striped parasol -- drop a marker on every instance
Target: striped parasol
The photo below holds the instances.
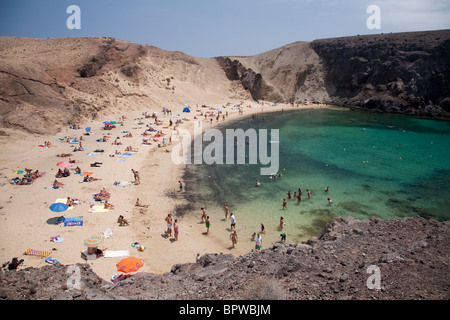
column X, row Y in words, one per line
column 94, row 241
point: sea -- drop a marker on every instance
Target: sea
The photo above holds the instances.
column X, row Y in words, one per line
column 368, row 165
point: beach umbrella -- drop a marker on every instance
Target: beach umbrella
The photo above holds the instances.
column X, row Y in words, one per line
column 186, row 110
column 88, row 129
column 58, row 207
column 86, row 173
column 129, row 264
column 63, row 164
column 94, row 241
column 18, row 172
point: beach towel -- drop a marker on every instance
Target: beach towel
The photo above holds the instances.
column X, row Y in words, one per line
column 122, row 183
column 114, row 254
column 51, row 260
column 97, row 208
column 91, row 154
column 72, row 222
column 120, row 159
column 52, row 187
column 57, row 239
column 37, row 253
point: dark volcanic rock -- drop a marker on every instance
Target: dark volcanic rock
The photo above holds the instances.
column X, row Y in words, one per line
column 411, row 255
column 406, row 73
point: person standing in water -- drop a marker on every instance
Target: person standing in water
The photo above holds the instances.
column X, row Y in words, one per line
column 281, row 222
column 284, row 205
column 226, row 211
column 309, row 193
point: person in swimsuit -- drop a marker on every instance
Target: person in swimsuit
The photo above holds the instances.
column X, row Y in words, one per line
column 175, row 229
column 168, row 220
column 234, row 238
column 207, row 224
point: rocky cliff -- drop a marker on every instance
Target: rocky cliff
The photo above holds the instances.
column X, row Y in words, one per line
column 410, row 255
column 406, row 73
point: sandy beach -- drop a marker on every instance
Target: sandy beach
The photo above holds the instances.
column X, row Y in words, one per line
column 25, row 209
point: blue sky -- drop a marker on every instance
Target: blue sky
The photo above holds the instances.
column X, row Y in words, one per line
column 208, row 28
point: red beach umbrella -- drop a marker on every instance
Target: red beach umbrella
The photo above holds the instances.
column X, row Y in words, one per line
column 63, row 164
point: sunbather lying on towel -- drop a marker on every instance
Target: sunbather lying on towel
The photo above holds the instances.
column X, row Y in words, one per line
column 96, row 164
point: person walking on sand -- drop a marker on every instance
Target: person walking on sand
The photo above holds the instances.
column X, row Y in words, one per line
column 168, row 220
column 175, row 229
column 234, row 238
column 180, row 185
column 284, row 205
column 207, row 224
column 203, row 215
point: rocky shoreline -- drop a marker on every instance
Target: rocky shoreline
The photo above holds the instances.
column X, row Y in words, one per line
column 410, row 255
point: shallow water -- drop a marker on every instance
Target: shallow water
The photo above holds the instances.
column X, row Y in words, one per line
column 380, row 165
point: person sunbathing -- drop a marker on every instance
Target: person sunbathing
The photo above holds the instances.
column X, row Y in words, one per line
column 56, row 184
column 77, row 170
column 59, row 174
column 108, row 205
column 66, row 172
column 28, row 171
column 103, row 192
column 122, row 221
column 36, row 174
column 70, row 202
column 63, row 155
column 139, row 204
column 96, row 164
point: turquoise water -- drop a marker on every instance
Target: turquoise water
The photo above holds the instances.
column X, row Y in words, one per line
column 387, row 166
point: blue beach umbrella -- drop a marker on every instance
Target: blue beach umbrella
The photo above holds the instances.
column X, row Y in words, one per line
column 58, row 207
column 88, row 129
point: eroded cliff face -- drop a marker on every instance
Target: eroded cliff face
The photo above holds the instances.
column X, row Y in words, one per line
column 406, row 73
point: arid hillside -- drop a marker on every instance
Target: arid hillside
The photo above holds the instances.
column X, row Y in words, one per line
column 46, row 84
